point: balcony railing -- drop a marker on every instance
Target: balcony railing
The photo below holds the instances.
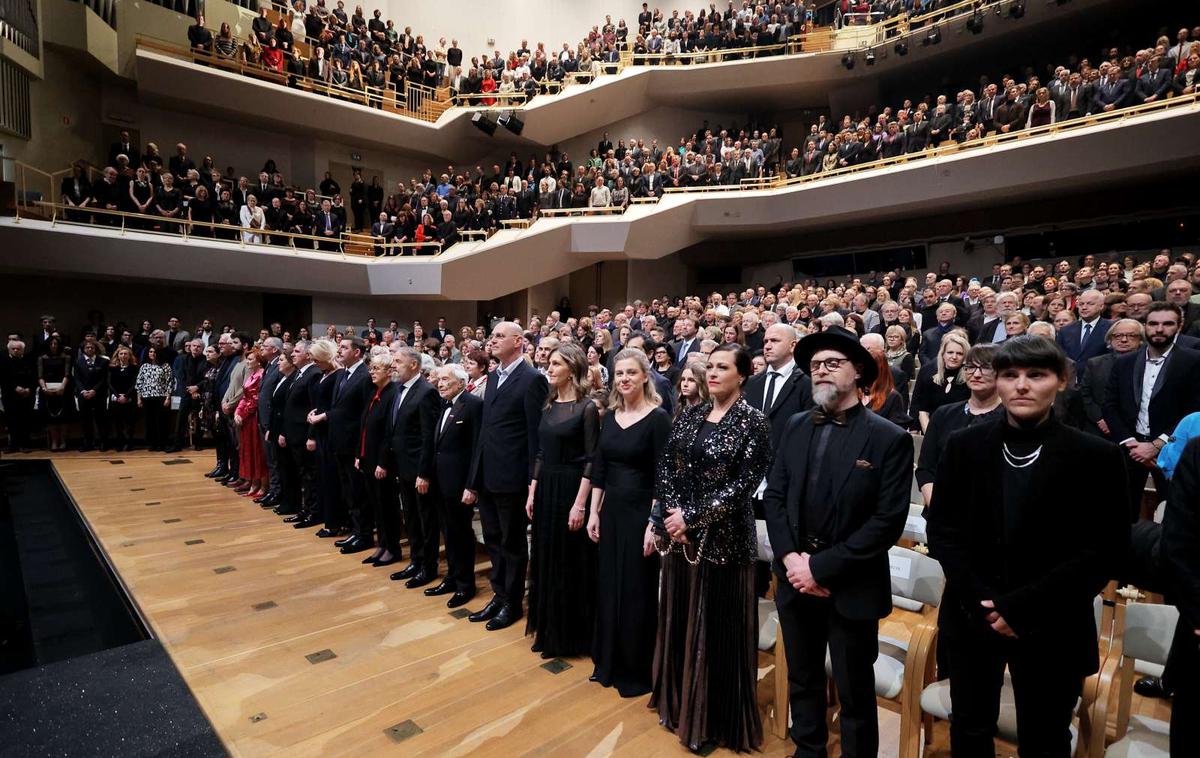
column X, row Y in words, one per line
column 19, row 25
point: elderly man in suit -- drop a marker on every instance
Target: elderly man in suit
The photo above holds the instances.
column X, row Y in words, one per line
column 1083, row 339
column 351, row 392
column 456, row 435
column 299, row 474
column 272, row 348
column 502, row 469
column 1124, row 336
column 836, row 500
column 410, row 458
column 1113, row 93
column 1149, row 391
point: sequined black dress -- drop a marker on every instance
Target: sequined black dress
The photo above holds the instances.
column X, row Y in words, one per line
column 562, row 563
column 627, row 595
column 705, row 659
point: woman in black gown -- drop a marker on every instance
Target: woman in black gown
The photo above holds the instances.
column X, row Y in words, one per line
column 632, row 438
column 562, row 560
column 122, row 401
column 706, row 656
column 329, row 491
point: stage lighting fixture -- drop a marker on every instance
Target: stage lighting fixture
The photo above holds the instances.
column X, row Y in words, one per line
column 848, row 61
column 484, row 124
column 901, row 49
column 510, row 122
column 1017, row 9
column 870, row 57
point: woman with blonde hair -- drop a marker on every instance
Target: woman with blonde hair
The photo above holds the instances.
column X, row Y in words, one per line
column 252, row 459
column 562, row 560
column 943, row 381
column 329, row 492
column 632, row 439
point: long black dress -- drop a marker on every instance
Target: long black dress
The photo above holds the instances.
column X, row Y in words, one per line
column 562, row 563
column 627, row 594
column 329, row 491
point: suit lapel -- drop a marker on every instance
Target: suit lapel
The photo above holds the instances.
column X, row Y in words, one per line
column 1139, row 375
column 783, row 392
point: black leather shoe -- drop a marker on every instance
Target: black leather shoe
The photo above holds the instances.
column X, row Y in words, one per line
column 487, row 612
column 1150, row 686
column 507, row 616
column 355, row 547
column 459, row 599
column 370, row 560
column 281, row 511
column 445, row 588
column 408, row 572
column 216, row 472
column 294, row 518
column 307, row 523
column 346, row 541
column 262, row 499
column 326, row 533
column 419, row 579
column 388, row 562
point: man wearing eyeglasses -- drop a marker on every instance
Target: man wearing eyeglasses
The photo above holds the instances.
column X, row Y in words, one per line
column 836, row 500
column 1125, row 336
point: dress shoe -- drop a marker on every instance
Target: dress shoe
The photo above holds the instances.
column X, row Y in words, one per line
column 507, row 616
column 419, row 579
column 445, row 588
column 1150, row 686
column 346, row 541
column 388, row 562
column 459, row 599
column 262, row 499
column 408, row 572
column 216, row 472
column 326, row 533
column 355, row 547
column 281, row 511
column 295, row 518
column 370, row 560
column 307, row 523
column 487, row 612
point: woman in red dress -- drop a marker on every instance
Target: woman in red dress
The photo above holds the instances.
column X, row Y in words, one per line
column 252, row 461
column 489, row 85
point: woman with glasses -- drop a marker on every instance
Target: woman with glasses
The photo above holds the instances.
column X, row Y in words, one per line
column 981, row 407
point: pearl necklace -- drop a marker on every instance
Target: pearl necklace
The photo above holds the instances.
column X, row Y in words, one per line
column 1021, row 461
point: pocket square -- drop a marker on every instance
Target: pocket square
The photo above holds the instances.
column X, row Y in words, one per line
column 863, row 464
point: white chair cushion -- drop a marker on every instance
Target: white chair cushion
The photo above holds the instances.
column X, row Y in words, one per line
column 764, row 542
column 889, row 667
column 935, row 701
column 1146, row 738
column 768, row 624
column 908, row 605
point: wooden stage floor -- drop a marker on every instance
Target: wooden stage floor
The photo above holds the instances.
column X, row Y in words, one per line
column 290, row 646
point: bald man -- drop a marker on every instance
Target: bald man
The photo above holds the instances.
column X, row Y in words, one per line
column 502, row 469
column 1083, row 339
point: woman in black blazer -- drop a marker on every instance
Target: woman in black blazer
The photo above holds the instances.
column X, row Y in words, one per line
column 382, row 491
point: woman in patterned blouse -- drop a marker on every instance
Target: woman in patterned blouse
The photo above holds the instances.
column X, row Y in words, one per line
column 153, row 385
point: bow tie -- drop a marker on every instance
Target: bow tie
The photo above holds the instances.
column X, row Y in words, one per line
column 820, row 418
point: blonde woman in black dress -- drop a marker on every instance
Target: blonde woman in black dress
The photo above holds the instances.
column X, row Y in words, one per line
column 705, row 659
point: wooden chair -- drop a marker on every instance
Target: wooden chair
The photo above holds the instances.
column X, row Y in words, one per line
column 1144, row 634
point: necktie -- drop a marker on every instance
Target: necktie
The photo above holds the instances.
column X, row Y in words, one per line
column 821, row 417
column 770, row 393
column 1087, row 331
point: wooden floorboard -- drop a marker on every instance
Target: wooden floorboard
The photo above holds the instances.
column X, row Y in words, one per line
column 240, row 611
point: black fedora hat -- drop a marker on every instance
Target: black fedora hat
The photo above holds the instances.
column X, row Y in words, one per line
column 845, row 342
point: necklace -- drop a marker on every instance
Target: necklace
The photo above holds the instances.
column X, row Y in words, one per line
column 1021, row 461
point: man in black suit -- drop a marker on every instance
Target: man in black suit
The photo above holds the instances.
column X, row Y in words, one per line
column 1021, row 577
column 931, row 338
column 383, row 230
column 371, row 334
column 781, row 391
column 89, row 383
column 1149, row 391
column 123, row 146
column 1181, row 549
column 1123, row 336
column 440, row 332
column 410, row 458
column 502, row 469
column 1154, row 83
column 455, row 437
column 689, row 341
column 1083, row 339
column 271, row 349
column 352, row 390
column 299, row 467
column 1113, row 93
column 916, row 134
column 187, row 371
column 652, row 184
column 328, row 226
column 836, row 500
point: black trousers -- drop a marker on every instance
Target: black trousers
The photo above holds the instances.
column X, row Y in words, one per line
column 18, row 417
column 1183, row 674
column 232, row 442
column 421, row 525
column 289, row 478
column 271, row 452
column 384, row 498
column 305, row 466
column 157, row 418
column 460, row 540
column 124, row 416
column 502, row 515
column 1136, row 479
column 93, row 420
column 182, row 416
column 355, row 505
column 811, row 624
column 1044, row 695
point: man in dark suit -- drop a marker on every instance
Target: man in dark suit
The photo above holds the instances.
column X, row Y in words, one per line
column 89, row 384
column 1181, row 549
column 299, row 467
column 352, row 390
column 836, row 500
column 123, row 146
column 455, row 437
column 931, row 338
column 272, row 347
column 502, row 469
column 689, row 341
column 916, row 134
column 187, row 371
column 652, row 185
column 1149, row 391
column 1083, row 339
column 440, row 332
column 781, row 391
column 383, row 230
column 371, row 334
column 1113, row 93
column 1123, row 336
column 328, row 226
column 410, row 458
column 1154, row 83
column 1021, row 577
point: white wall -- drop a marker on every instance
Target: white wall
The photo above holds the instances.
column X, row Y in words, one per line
column 473, row 22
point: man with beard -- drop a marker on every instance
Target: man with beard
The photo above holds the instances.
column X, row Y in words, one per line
column 836, row 500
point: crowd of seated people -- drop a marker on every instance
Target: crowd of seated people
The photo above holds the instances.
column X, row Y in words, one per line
column 298, row 429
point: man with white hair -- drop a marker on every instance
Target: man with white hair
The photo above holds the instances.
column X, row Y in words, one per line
column 876, row 346
column 18, row 383
column 1006, row 303
column 455, row 436
column 1083, row 338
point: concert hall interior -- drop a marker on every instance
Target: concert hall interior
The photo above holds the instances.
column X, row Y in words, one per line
column 714, row 378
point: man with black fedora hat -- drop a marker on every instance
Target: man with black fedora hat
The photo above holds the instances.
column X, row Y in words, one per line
column 836, row 500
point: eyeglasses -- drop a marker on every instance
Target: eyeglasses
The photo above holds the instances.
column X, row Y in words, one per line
column 1114, row 336
column 830, row 364
column 982, row 370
